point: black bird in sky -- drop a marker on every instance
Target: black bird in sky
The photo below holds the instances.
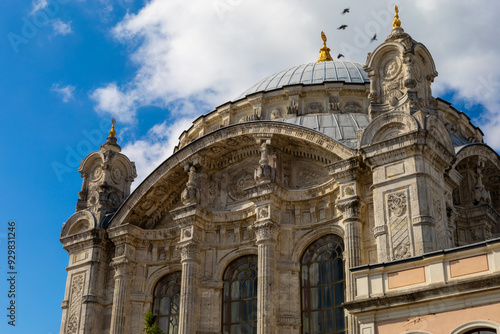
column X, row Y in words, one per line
column 342, row 27
column 340, row 56
column 345, row 11
column 374, row 38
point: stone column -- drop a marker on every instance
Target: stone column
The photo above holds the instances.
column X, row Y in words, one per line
column 189, row 306
column 266, row 236
column 352, row 240
column 119, row 323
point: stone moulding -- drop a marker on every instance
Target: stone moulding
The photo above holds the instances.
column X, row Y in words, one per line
column 264, row 127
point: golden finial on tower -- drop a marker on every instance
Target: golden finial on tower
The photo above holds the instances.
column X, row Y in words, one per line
column 324, row 52
column 112, row 132
column 396, row 22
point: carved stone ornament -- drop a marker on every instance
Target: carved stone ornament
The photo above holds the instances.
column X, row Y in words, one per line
column 257, row 112
column 263, row 213
column 122, row 267
column 391, row 68
column 402, row 251
column 314, row 108
column 75, row 304
column 333, row 103
column 350, row 208
column 276, row 114
column 189, row 251
column 190, row 195
column 265, row 231
column 379, row 230
column 116, row 174
column 264, row 172
column 292, row 108
column 397, row 204
column 353, row 107
column 241, row 180
column 96, row 173
column 72, row 324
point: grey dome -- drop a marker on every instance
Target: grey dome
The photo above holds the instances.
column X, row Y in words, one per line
column 312, row 73
column 341, row 127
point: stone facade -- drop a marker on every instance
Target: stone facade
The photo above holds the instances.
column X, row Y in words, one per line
column 393, row 172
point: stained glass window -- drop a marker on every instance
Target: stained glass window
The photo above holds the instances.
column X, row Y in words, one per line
column 239, row 305
column 323, row 287
column 166, row 302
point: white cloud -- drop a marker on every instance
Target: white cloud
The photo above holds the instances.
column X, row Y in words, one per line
column 66, row 92
column 192, row 56
column 112, row 100
column 37, row 5
column 158, row 144
column 61, row 28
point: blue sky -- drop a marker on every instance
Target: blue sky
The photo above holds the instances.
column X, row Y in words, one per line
column 68, row 66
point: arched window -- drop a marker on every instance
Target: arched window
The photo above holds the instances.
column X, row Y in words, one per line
column 323, row 287
column 166, row 302
column 239, row 305
column 482, row 331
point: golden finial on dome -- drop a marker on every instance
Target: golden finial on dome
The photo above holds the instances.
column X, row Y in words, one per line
column 396, row 22
column 324, row 52
column 112, row 132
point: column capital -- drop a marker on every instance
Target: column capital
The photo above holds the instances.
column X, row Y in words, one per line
column 266, row 230
column 350, row 208
column 189, row 251
column 122, row 267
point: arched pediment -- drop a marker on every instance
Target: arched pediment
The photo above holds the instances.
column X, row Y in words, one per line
column 387, row 126
column 401, row 71
column 437, row 129
column 80, row 221
column 478, row 149
column 236, row 144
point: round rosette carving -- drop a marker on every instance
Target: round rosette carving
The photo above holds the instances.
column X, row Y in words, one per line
column 116, row 174
column 96, row 173
column 391, row 68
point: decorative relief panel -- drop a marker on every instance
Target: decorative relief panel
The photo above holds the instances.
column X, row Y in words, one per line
column 314, row 108
column 353, row 107
column 440, row 227
column 391, row 79
column 75, row 304
column 397, row 209
column 240, row 180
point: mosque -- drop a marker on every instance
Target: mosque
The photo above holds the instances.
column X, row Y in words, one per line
column 331, row 197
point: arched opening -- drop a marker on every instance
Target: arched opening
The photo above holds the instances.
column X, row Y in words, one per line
column 481, row 331
column 239, row 304
column 166, row 302
column 323, row 286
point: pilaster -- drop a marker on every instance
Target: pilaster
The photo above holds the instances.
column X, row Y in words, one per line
column 119, row 312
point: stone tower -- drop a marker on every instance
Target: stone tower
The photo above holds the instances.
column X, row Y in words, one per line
column 107, row 175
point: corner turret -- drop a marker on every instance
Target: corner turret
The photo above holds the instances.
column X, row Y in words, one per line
column 107, row 176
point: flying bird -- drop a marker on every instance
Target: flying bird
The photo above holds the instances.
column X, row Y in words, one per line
column 340, row 56
column 374, row 38
column 345, row 11
column 342, row 27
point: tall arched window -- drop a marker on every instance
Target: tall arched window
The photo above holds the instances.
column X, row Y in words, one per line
column 323, row 286
column 239, row 305
column 166, row 302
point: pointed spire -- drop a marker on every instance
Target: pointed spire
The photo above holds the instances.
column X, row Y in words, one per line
column 396, row 22
column 324, row 52
column 110, row 143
